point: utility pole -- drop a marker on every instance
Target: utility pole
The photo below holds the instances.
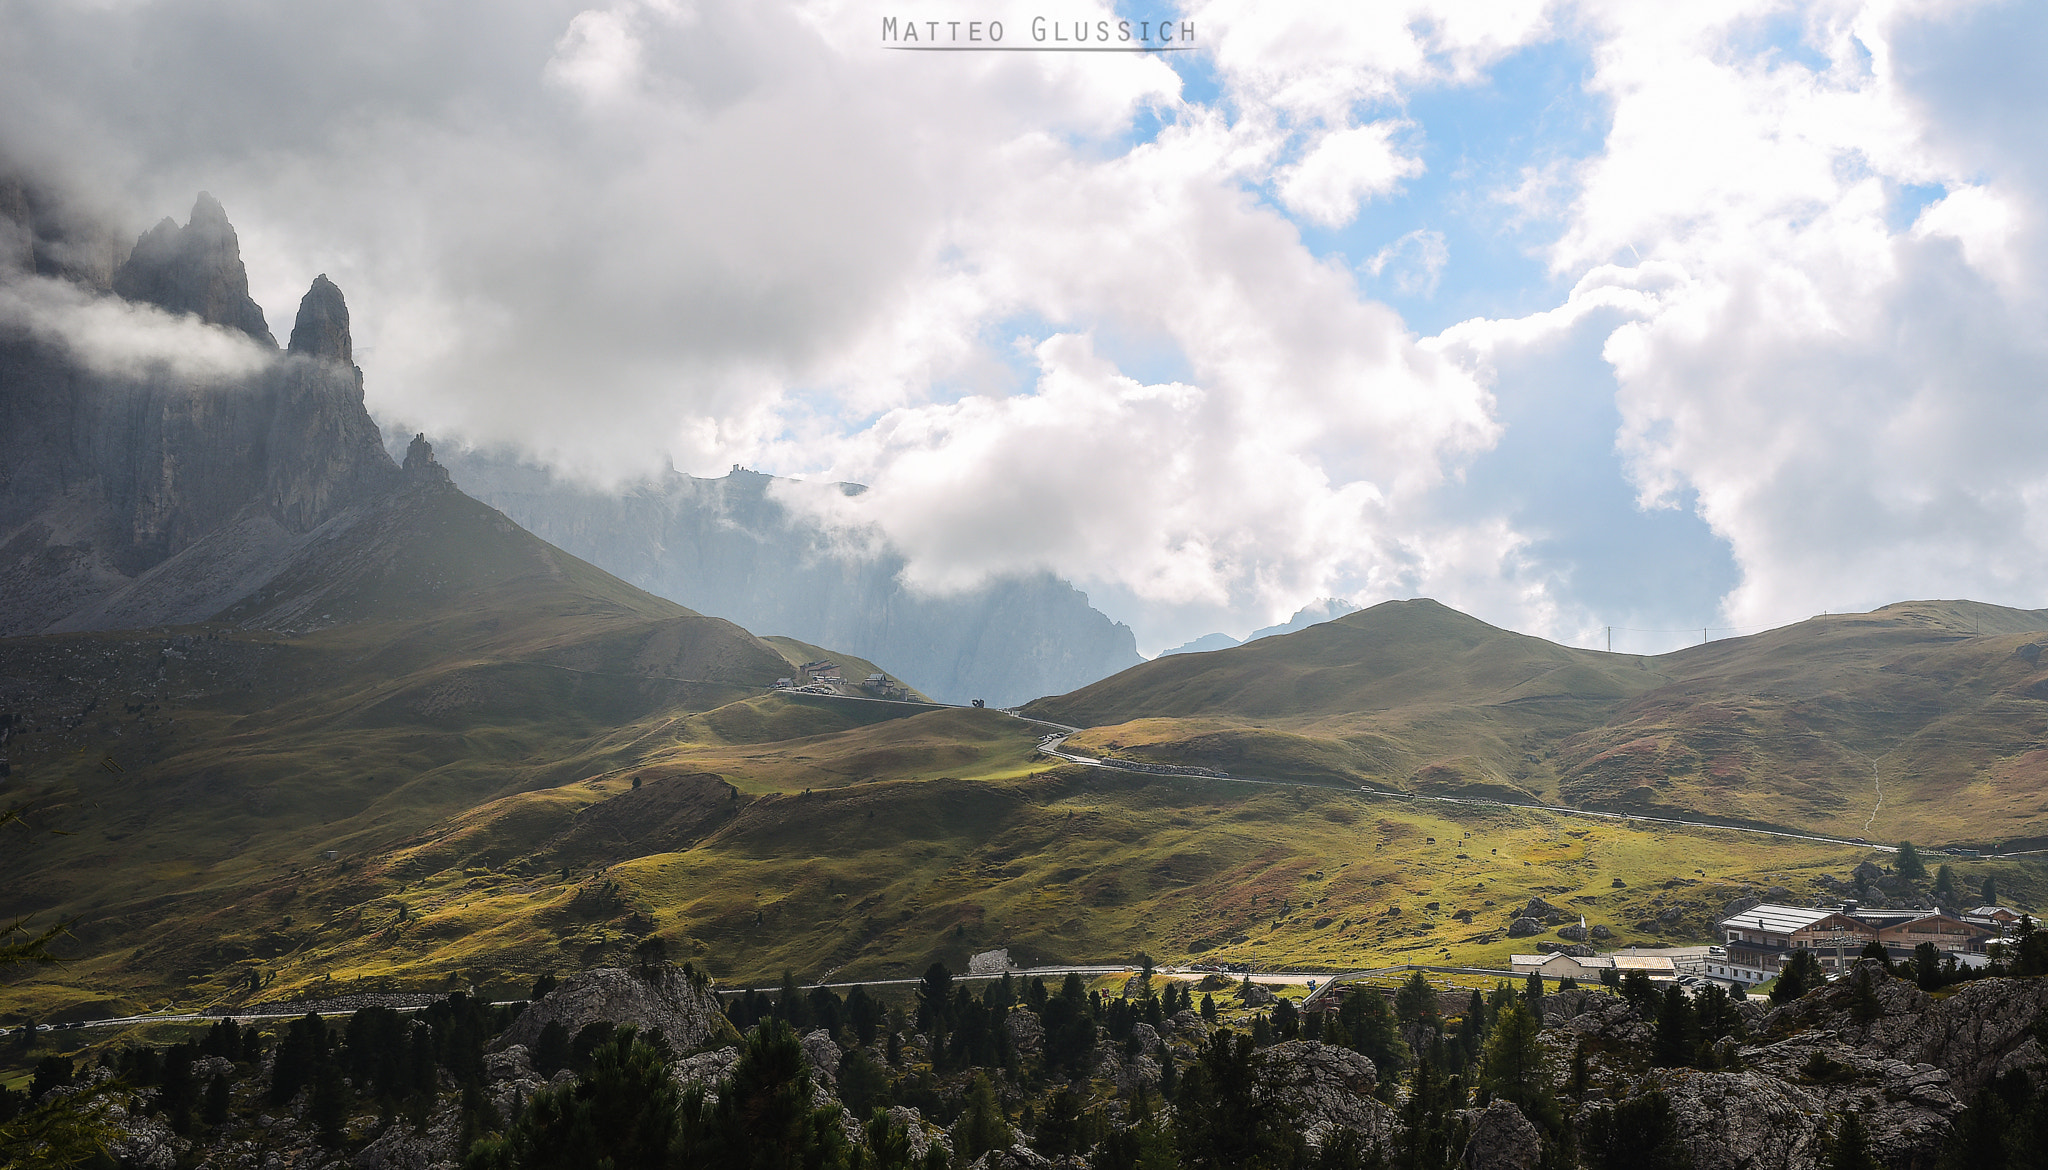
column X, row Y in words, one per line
column 1610, row 639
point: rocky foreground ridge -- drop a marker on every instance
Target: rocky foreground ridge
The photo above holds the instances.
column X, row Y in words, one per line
column 647, row 1067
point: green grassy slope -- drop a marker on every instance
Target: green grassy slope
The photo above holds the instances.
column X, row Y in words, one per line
column 414, row 662
column 1930, row 705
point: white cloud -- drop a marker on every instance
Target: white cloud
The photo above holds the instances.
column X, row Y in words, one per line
column 619, row 233
column 1344, row 168
column 123, row 339
column 1414, row 263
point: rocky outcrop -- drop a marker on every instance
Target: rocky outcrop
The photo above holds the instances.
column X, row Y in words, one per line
column 1984, row 1030
column 195, row 269
column 683, row 1005
column 730, row 546
column 321, row 330
column 1327, row 1088
column 824, row 1056
column 1027, row 1031
column 143, row 498
column 705, row 1070
column 1503, row 1139
column 404, row 1146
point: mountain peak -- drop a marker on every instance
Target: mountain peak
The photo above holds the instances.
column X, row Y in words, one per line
column 419, row 460
column 321, row 330
column 194, row 269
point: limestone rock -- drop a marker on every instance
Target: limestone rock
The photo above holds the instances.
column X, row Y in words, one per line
column 1983, row 1030
column 512, row 1063
column 1027, row 1031
column 1329, row 1088
column 420, row 464
column 1524, row 927
column 1189, row 1025
column 1255, row 995
column 1017, row 1157
column 1503, row 1139
column 321, row 329
column 1574, row 932
column 705, row 1070
column 1743, row 1120
column 686, row 1009
column 195, row 269
column 1147, row 1037
column 922, row 1137
column 403, row 1147
column 824, row 1056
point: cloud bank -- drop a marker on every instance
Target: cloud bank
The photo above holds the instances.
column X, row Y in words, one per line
column 1768, row 337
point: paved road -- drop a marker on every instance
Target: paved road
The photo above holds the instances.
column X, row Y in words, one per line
column 1051, row 745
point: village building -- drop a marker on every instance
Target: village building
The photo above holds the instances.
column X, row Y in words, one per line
column 1759, row 940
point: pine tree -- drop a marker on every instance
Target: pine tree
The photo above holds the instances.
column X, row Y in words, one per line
column 1944, row 881
column 1638, row 1134
column 1512, row 1068
column 1800, row 974
column 1677, row 1035
column 214, row 1109
column 1850, row 1149
column 1909, row 865
column 624, row 1112
column 982, row 1126
column 1990, row 890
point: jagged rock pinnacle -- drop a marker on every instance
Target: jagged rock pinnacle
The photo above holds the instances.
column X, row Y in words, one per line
column 194, row 269
column 419, row 461
column 321, row 330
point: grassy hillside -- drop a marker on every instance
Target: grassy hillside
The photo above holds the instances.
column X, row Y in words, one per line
column 1922, row 720
column 418, row 661
column 521, row 765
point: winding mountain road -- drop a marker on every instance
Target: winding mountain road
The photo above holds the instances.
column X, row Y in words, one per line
column 1053, row 745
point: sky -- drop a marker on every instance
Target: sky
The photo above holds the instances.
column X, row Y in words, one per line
column 1595, row 320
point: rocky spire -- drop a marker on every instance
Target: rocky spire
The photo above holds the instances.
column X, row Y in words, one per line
column 419, row 461
column 321, row 330
column 194, row 269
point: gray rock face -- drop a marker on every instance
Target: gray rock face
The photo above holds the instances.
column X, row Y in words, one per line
column 321, row 330
column 403, row 1147
column 686, row 1010
column 1147, row 1037
column 824, row 1056
column 705, row 1070
column 140, row 499
column 1743, row 1121
column 922, row 1137
column 1503, row 1139
column 1984, row 1030
column 194, row 269
column 728, row 547
column 1330, row 1088
column 1027, row 1032
column 1524, row 927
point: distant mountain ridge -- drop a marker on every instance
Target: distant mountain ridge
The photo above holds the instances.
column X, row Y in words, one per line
column 727, row 546
column 1322, row 609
